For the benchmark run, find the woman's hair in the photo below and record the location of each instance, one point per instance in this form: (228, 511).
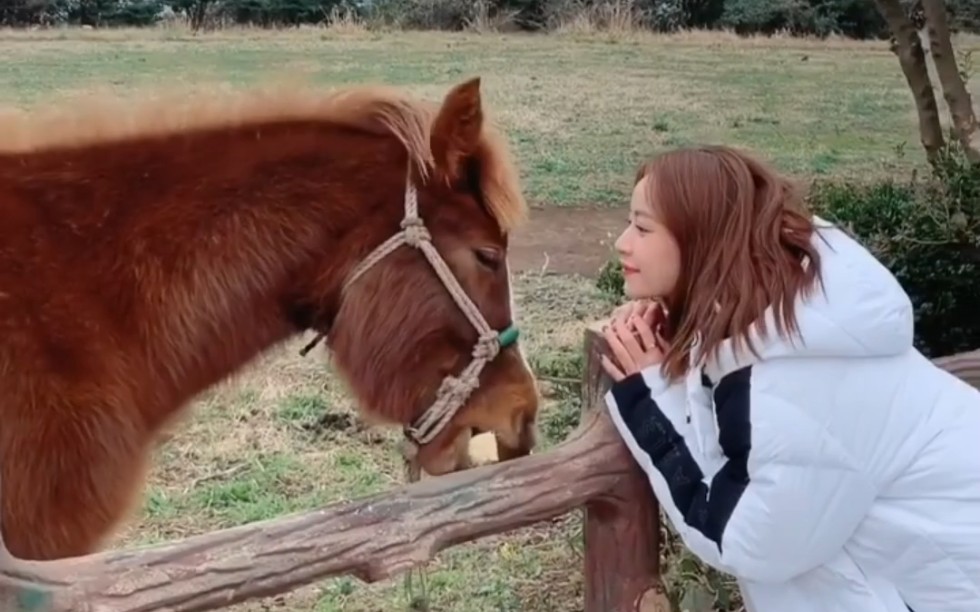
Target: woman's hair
(744, 236)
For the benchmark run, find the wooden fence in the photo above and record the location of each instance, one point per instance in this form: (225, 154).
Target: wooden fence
(376, 537)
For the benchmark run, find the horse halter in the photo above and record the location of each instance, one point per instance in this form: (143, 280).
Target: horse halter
(454, 390)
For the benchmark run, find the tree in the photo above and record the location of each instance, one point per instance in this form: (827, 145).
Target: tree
(907, 45)
(954, 89)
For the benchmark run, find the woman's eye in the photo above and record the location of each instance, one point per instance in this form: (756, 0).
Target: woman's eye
(632, 222)
(489, 257)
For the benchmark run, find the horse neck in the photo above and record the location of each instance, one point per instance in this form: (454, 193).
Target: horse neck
(237, 224)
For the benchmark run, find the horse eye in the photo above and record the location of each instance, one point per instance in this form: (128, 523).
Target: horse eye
(489, 257)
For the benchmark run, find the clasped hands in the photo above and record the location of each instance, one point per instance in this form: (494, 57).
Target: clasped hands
(634, 337)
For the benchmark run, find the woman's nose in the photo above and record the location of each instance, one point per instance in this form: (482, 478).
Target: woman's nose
(621, 242)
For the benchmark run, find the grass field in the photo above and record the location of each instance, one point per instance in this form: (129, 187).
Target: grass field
(581, 111)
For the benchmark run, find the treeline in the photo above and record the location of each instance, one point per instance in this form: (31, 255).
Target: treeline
(850, 18)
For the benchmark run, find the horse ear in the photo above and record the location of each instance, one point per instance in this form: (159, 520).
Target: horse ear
(457, 127)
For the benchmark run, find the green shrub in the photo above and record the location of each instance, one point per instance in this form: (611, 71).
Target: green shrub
(424, 14)
(857, 18)
(610, 280)
(691, 585)
(819, 17)
(926, 230)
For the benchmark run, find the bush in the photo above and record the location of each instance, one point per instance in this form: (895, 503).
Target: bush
(928, 234)
(926, 231)
(854, 18)
(424, 14)
(610, 280)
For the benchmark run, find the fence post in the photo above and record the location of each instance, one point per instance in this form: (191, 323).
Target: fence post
(622, 527)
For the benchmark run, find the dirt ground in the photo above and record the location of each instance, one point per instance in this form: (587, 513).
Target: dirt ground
(567, 240)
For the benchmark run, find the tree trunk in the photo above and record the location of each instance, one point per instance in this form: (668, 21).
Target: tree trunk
(908, 48)
(954, 89)
(198, 13)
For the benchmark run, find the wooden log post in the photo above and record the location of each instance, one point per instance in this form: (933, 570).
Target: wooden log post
(622, 526)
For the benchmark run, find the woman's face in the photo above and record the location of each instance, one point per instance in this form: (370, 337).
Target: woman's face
(649, 254)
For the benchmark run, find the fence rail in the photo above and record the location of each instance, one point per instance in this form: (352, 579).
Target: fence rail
(383, 535)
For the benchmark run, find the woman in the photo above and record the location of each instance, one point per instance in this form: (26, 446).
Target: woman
(766, 382)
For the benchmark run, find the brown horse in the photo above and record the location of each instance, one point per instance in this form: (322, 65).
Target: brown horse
(149, 250)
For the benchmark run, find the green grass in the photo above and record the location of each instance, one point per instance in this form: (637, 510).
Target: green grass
(581, 111)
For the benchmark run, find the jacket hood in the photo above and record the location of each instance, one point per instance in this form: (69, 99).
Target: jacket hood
(859, 310)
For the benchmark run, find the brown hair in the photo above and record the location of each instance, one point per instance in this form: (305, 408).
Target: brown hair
(743, 232)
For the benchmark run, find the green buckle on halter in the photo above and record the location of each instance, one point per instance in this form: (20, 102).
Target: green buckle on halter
(33, 600)
(508, 336)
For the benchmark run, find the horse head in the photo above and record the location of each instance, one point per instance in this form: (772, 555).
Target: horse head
(424, 330)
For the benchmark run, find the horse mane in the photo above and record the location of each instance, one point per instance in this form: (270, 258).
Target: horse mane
(105, 117)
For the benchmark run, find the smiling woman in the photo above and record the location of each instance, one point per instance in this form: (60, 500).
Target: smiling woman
(649, 253)
(837, 472)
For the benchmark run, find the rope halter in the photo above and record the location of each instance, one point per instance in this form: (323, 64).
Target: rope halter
(454, 390)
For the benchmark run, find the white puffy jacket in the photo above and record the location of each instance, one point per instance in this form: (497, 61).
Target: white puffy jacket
(842, 475)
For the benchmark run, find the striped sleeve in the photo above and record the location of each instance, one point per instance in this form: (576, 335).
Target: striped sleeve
(783, 502)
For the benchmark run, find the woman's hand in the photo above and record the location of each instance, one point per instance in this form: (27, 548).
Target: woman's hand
(648, 309)
(633, 335)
